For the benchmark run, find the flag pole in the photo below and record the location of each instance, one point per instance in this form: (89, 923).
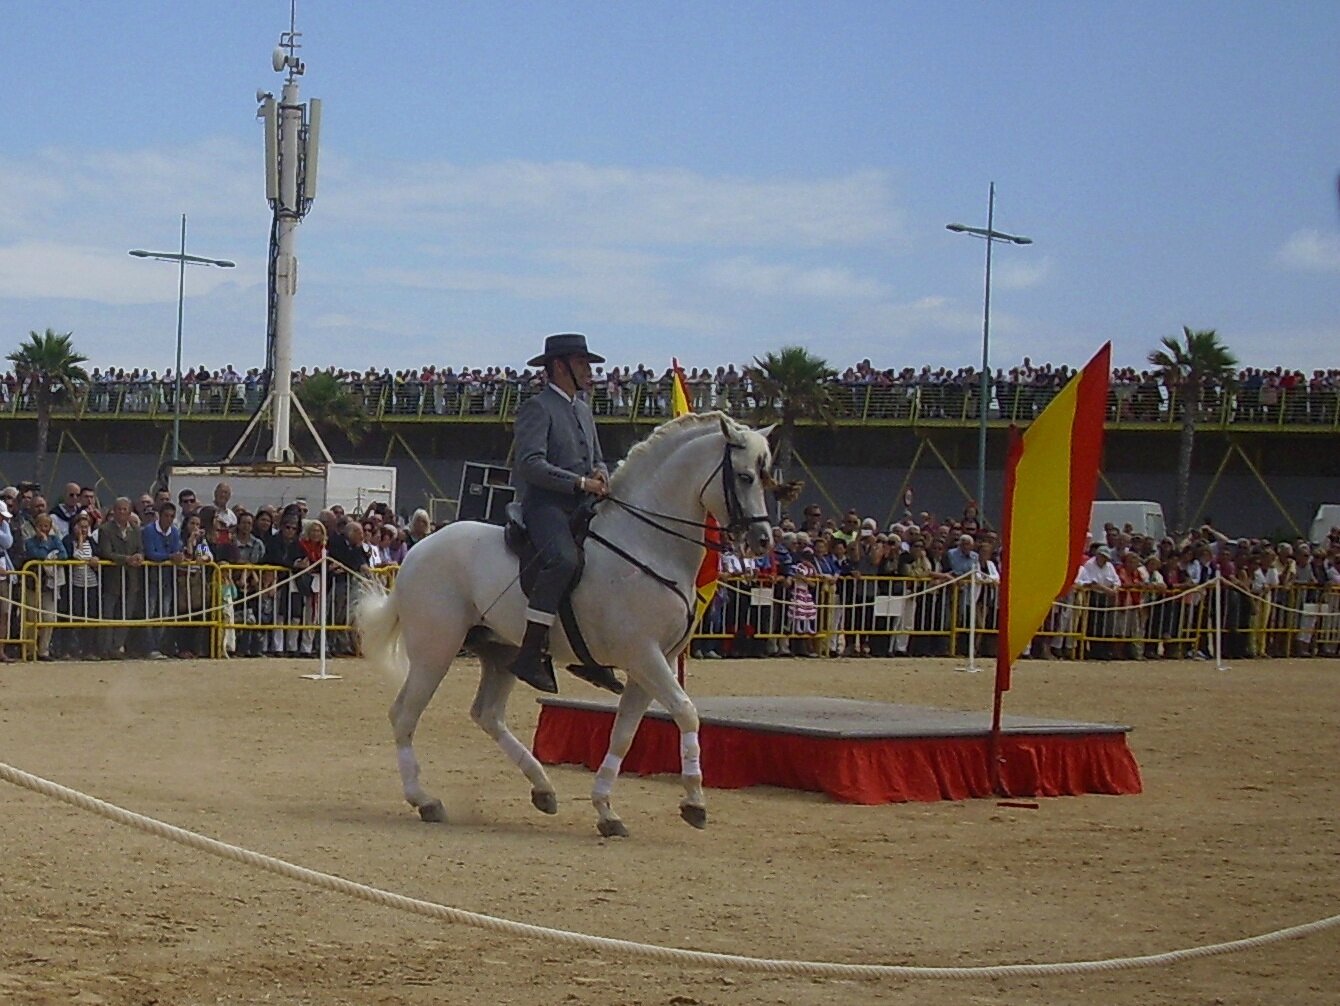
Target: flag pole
(1219, 664)
(972, 623)
(993, 746)
(1045, 526)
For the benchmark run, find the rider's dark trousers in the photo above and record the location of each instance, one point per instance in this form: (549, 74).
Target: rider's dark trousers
(549, 527)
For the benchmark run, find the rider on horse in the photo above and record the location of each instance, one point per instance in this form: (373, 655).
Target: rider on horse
(557, 464)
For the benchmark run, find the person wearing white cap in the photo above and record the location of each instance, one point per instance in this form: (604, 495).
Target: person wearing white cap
(1102, 581)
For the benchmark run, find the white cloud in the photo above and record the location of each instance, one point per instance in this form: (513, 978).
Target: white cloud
(763, 279)
(103, 275)
(614, 205)
(1020, 274)
(1310, 251)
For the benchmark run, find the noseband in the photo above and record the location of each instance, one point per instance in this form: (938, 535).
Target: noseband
(737, 520)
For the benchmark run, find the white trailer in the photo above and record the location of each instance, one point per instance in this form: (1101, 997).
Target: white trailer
(322, 485)
(1144, 517)
(1328, 518)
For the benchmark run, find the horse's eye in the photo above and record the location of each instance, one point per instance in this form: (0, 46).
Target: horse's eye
(747, 478)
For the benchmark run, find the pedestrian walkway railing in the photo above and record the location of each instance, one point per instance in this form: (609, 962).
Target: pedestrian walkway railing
(914, 403)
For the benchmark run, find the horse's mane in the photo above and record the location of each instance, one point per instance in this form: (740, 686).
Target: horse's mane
(688, 426)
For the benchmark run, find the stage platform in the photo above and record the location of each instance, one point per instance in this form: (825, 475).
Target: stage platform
(856, 752)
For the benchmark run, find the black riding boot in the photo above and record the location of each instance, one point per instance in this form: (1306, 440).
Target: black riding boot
(532, 665)
(598, 675)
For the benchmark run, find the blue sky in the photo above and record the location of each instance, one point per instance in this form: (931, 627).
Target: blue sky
(710, 181)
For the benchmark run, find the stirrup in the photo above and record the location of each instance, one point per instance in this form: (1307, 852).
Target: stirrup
(598, 675)
(536, 670)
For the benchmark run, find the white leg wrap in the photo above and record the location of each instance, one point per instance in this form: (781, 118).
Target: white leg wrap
(409, 766)
(605, 776)
(513, 748)
(689, 753)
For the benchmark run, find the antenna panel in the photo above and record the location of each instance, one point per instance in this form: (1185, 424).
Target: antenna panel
(310, 148)
(271, 118)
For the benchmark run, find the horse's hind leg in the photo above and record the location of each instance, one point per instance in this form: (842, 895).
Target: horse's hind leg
(632, 707)
(420, 684)
(489, 712)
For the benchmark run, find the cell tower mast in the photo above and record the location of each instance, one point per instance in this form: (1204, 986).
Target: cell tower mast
(292, 132)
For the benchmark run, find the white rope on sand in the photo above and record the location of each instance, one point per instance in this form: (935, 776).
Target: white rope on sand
(700, 958)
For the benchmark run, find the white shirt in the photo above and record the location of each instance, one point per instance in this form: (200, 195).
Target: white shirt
(1102, 576)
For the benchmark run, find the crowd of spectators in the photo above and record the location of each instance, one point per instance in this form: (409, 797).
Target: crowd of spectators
(1019, 392)
(1138, 592)
(151, 559)
(827, 581)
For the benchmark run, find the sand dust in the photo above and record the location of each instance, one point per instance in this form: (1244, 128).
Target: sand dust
(1236, 834)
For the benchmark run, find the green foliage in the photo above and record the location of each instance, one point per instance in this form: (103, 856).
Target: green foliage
(1196, 360)
(331, 406)
(47, 364)
(1190, 366)
(792, 384)
(49, 360)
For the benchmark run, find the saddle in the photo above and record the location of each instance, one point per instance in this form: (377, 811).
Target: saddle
(518, 542)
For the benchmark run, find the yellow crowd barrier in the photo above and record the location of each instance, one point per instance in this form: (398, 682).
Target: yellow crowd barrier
(72, 608)
(77, 608)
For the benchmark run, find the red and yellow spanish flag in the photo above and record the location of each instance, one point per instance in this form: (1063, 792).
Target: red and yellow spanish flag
(705, 583)
(1050, 477)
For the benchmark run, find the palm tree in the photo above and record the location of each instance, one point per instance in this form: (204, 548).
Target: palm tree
(1191, 367)
(331, 406)
(46, 364)
(788, 386)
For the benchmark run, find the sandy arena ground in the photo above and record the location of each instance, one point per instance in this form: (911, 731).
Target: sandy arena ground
(1236, 834)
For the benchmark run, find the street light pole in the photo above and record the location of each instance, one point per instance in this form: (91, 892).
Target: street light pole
(991, 236)
(182, 260)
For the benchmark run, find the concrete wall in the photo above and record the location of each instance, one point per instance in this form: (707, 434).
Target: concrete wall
(1238, 505)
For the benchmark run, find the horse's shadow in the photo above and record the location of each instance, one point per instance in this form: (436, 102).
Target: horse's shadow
(464, 818)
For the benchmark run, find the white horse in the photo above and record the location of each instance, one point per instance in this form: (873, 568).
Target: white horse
(635, 610)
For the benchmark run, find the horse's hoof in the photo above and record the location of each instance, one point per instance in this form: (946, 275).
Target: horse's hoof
(434, 812)
(611, 828)
(545, 801)
(694, 815)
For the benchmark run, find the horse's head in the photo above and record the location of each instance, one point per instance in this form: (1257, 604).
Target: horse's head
(740, 491)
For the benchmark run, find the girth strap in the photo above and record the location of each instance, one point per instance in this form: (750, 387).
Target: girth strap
(660, 578)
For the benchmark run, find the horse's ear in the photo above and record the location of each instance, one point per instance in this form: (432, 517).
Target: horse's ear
(732, 432)
(766, 432)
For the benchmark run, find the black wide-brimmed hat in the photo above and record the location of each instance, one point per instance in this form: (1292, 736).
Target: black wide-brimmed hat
(565, 344)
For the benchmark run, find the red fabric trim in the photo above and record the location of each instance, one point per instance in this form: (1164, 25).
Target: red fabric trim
(853, 771)
(1005, 647)
(1086, 448)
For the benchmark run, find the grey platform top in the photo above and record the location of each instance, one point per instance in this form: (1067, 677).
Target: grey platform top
(820, 716)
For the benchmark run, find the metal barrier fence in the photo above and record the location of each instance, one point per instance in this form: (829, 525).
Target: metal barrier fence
(901, 403)
(69, 608)
(893, 616)
(73, 609)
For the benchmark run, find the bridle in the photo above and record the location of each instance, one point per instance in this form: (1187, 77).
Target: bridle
(737, 520)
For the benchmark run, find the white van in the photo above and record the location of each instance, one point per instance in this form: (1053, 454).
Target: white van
(1143, 516)
(1328, 516)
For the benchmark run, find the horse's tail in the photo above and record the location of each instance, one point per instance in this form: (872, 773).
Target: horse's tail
(378, 622)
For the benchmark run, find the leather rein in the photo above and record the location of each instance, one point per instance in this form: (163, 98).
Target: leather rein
(739, 522)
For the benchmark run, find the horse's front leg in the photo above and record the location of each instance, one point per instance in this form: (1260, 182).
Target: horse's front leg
(632, 707)
(660, 681)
